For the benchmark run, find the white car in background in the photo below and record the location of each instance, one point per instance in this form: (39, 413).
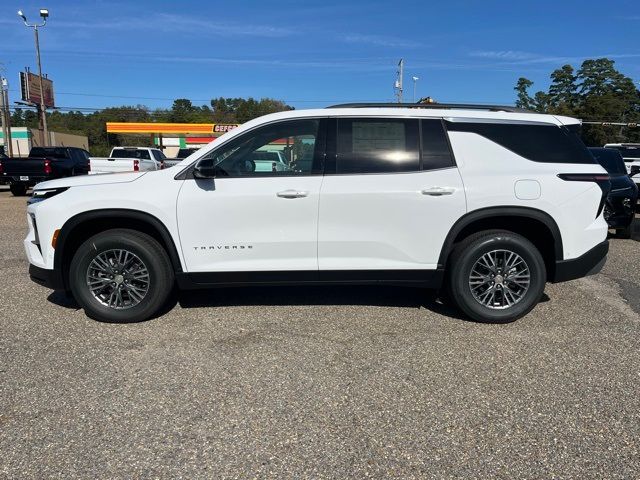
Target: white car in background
(270, 161)
(485, 202)
(129, 159)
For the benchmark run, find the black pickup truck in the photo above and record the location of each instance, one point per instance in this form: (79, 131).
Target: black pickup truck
(43, 163)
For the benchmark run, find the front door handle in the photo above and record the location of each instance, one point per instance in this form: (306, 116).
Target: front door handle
(291, 193)
(438, 191)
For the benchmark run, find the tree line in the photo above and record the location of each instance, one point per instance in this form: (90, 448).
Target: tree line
(597, 91)
(93, 125)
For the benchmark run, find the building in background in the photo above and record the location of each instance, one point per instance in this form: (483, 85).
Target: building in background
(23, 138)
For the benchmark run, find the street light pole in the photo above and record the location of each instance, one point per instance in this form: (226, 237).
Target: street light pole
(42, 110)
(415, 80)
(6, 118)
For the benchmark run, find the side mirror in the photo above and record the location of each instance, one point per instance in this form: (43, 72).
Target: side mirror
(205, 169)
(635, 169)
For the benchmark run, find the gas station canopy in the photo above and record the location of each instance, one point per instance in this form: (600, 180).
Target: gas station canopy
(214, 129)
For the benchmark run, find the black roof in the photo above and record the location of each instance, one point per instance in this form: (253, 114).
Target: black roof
(452, 106)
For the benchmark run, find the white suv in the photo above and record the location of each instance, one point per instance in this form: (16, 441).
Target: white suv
(487, 203)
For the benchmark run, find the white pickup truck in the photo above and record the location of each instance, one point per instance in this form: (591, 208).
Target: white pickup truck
(129, 159)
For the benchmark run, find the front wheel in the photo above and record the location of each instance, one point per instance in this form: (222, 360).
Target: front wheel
(496, 276)
(121, 276)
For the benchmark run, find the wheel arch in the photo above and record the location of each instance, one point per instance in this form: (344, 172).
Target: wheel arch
(522, 220)
(80, 227)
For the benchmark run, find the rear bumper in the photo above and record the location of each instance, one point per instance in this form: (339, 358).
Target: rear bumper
(47, 278)
(588, 264)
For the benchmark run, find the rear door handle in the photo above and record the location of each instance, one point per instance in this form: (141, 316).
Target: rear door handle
(438, 191)
(291, 193)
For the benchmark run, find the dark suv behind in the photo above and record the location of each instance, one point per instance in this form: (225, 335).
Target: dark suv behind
(621, 204)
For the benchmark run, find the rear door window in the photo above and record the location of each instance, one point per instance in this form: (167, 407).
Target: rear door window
(377, 145)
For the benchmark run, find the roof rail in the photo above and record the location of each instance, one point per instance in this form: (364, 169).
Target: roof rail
(457, 106)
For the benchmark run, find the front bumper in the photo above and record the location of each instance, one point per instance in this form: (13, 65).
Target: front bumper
(47, 278)
(588, 264)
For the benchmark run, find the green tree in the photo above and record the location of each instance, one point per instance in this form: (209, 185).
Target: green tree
(524, 100)
(597, 92)
(562, 91)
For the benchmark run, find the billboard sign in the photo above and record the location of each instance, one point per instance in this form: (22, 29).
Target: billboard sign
(30, 89)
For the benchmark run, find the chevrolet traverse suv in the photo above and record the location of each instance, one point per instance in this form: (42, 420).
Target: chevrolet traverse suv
(485, 203)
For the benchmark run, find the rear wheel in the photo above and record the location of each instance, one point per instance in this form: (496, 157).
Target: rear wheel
(121, 276)
(18, 189)
(496, 276)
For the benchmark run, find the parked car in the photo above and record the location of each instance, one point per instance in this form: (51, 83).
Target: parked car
(181, 155)
(486, 203)
(43, 163)
(270, 161)
(129, 159)
(620, 208)
(631, 155)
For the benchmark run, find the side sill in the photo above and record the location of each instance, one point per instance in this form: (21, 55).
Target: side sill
(416, 278)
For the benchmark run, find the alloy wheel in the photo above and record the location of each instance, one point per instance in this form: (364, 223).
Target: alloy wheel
(499, 279)
(118, 279)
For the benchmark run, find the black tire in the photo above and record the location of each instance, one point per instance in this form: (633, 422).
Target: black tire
(626, 232)
(150, 254)
(470, 251)
(18, 190)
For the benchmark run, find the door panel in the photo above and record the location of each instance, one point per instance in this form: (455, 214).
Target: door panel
(385, 221)
(241, 224)
(392, 196)
(256, 215)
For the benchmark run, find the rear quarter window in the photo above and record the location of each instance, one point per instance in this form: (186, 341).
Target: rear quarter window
(538, 143)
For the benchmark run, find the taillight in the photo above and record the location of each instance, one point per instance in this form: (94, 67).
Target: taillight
(1, 168)
(584, 177)
(136, 165)
(602, 179)
(47, 167)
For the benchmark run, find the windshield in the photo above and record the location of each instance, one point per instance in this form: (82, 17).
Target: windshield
(629, 153)
(610, 160)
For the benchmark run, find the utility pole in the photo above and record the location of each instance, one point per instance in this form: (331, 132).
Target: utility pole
(42, 109)
(5, 117)
(415, 80)
(399, 78)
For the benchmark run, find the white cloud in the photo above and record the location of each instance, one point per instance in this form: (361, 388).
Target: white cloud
(168, 23)
(516, 57)
(381, 41)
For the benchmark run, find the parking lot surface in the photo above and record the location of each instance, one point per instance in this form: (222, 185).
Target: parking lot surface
(320, 382)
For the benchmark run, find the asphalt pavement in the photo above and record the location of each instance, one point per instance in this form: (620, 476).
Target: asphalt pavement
(322, 382)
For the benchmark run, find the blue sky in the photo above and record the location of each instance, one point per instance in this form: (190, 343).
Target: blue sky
(310, 53)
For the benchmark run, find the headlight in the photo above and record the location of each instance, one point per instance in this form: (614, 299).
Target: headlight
(40, 195)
